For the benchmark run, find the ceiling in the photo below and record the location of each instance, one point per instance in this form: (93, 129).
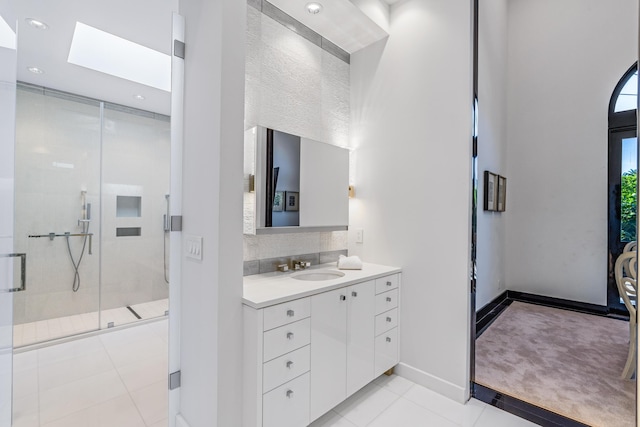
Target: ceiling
(340, 21)
(146, 22)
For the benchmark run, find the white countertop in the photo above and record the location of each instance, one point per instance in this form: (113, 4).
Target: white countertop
(263, 290)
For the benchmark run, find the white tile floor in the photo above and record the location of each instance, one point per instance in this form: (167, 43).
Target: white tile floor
(397, 402)
(45, 330)
(118, 378)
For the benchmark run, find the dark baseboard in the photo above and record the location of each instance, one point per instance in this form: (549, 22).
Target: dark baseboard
(522, 409)
(583, 307)
(490, 312)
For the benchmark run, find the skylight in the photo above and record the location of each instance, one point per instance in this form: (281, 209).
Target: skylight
(101, 51)
(7, 36)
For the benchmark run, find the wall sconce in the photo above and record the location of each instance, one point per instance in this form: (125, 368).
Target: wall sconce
(252, 183)
(352, 192)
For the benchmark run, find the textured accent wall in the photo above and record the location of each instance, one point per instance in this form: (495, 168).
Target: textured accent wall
(294, 86)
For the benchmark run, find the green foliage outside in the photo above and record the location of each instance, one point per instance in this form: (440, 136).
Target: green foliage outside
(628, 206)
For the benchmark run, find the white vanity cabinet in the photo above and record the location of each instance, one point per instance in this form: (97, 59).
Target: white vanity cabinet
(342, 354)
(304, 356)
(386, 323)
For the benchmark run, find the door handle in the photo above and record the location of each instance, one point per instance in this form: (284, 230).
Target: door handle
(23, 272)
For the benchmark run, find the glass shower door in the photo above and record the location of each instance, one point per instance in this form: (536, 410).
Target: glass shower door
(57, 205)
(10, 272)
(136, 155)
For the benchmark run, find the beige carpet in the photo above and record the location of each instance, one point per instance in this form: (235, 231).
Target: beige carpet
(563, 361)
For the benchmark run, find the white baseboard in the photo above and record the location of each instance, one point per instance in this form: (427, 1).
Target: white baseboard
(180, 422)
(445, 388)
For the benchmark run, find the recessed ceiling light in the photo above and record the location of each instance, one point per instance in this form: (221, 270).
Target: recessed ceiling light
(37, 24)
(314, 8)
(35, 70)
(139, 97)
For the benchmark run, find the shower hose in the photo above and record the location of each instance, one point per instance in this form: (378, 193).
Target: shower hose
(76, 265)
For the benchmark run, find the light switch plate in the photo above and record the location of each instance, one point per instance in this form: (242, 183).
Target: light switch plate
(193, 247)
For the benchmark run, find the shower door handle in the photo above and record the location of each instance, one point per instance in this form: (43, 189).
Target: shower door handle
(23, 272)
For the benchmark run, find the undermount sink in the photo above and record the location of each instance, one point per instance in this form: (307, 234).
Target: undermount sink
(318, 275)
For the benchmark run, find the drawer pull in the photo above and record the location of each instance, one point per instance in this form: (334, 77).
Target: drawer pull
(290, 313)
(388, 339)
(289, 394)
(388, 299)
(354, 294)
(289, 335)
(343, 298)
(388, 283)
(289, 364)
(388, 319)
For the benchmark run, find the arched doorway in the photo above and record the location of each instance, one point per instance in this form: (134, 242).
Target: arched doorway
(623, 172)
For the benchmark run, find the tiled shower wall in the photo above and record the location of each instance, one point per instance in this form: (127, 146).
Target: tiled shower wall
(63, 148)
(294, 86)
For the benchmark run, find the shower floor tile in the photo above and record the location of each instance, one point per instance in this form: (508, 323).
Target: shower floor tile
(46, 330)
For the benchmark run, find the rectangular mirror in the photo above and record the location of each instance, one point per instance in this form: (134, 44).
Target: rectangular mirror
(293, 183)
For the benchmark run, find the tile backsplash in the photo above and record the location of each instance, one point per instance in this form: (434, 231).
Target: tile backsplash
(261, 250)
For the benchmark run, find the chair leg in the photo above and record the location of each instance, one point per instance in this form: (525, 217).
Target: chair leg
(630, 366)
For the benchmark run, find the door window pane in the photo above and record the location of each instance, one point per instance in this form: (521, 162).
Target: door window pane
(628, 193)
(628, 98)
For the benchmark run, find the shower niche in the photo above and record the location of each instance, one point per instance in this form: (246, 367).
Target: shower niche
(128, 206)
(88, 167)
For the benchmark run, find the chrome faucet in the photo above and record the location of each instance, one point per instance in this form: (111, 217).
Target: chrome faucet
(298, 265)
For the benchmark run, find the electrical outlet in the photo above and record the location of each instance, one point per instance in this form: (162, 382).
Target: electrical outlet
(359, 235)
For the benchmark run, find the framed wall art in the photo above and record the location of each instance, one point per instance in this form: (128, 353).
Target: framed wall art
(490, 191)
(291, 201)
(278, 201)
(502, 194)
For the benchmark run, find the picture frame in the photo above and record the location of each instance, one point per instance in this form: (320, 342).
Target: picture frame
(490, 191)
(291, 201)
(502, 193)
(278, 201)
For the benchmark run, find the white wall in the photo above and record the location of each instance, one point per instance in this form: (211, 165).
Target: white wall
(492, 140)
(294, 86)
(564, 60)
(211, 298)
(411, 132)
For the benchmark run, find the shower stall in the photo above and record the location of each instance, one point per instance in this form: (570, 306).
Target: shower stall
(92, 184)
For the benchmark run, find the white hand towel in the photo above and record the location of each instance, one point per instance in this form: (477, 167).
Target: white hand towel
(349, 263)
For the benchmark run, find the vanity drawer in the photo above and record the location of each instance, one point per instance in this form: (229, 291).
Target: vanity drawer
(287, 312)
(386, 301)
(286, 338)
(287, 405)
(387, 283)
(386, 353)
(386, 321)
(285, 368)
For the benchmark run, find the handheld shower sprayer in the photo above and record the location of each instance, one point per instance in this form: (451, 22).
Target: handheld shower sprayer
(85, 214)
(84, 222)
